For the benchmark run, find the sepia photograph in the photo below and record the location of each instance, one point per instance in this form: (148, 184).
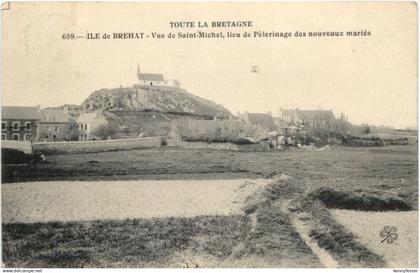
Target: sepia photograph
(209, 135)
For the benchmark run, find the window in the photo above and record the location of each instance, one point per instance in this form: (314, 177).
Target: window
(3, 125)
(15, 125)
(28, 137)
(81, 126)
(47, 129)
(28, 126)
(15, 136)
(55, 128)
(86, 126)
(3, 136)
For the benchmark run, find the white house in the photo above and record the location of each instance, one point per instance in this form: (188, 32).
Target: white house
(89, 123)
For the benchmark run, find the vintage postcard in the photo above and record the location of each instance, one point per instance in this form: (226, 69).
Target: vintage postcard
(209, 135)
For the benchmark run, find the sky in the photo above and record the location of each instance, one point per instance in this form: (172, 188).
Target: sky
(372, 79)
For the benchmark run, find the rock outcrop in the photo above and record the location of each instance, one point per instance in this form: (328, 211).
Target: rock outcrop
(156, 98)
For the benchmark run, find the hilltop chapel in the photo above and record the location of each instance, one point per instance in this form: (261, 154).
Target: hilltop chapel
(150, 78)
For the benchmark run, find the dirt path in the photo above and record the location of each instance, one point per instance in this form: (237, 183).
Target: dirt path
(325, 258)
(74, 201)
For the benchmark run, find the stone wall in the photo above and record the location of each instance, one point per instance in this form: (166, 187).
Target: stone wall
(218, 146)
(96, 146)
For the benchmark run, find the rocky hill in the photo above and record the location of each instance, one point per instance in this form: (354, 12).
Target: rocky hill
(158, 98)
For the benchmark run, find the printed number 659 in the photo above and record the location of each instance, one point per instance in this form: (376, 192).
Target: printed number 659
(67, 36)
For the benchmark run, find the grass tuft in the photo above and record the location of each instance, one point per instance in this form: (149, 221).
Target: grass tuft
(334, 199)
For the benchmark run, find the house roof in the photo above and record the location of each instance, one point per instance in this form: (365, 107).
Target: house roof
(262, 119)
(150, 77)
(289, 111)
(54, 115)
(91, 117)
(20, 112)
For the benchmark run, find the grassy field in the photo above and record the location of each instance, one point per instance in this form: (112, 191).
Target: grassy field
(385, 169)
(216, 241)
(203, 241)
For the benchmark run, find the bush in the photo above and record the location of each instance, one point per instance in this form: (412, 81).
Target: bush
(12, 156)
(351, 140)
(106, 131)
(366, 202)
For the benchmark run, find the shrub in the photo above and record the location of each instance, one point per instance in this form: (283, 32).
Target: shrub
(106, 131)
(351, 140)
(12, 156)
(366, 202)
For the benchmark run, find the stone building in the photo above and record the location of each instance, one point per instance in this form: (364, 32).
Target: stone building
(289, 116)
(308, 118)
(263, 120)
(19, 122)
(150, 79)
(89, 122)
(54, 125)
(317, 118)
(257, 125)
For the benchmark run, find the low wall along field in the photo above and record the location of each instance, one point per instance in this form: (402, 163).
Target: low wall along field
(218, 146)
(96, 146)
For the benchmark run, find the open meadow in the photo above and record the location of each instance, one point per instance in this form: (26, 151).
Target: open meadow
(287, 219)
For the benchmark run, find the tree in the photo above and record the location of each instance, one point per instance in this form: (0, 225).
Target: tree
(343, 125)
(73, 130)
(106, 131)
